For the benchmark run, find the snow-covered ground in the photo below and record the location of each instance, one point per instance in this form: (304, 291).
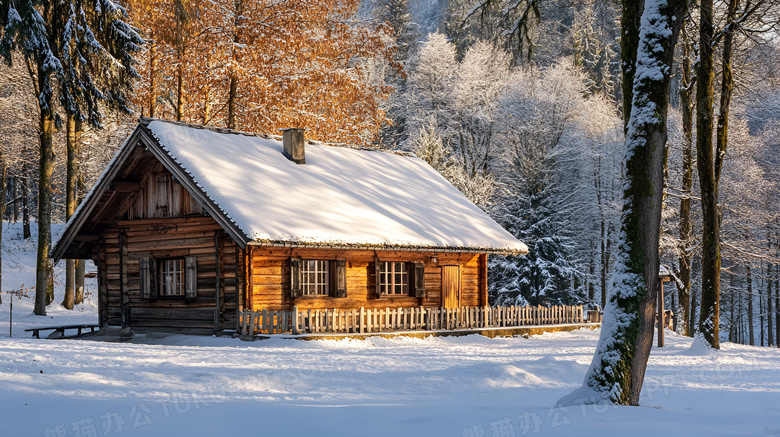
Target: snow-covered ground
(453, 386)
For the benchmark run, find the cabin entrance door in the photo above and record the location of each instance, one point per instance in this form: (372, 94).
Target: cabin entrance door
(450, 286)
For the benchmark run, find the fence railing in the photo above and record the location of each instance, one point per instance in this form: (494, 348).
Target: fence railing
(402, 319)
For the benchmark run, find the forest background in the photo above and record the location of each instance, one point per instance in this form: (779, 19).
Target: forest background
(518, 103)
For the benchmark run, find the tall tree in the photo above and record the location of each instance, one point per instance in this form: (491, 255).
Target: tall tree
(686, 224)
(87, 47)
(617, 371)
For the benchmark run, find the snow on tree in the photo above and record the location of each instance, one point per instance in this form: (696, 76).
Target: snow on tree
(535, 203)
(617, 371)
(87, 48)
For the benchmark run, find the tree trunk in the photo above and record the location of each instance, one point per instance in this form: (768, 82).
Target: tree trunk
(238, 8)
(179, 93)
(26, 233)
(80, 264)
(709, 318)
(3, 174)
(46, 167)
(733, 322)
(777, 311)
(15, 180)
(70, 205)
(630, 21)
(152, 76)
(686, 226)
(750, 307)
(619, 364)
(770, 340)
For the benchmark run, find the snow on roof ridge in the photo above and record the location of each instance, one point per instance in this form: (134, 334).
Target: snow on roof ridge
(223, 130)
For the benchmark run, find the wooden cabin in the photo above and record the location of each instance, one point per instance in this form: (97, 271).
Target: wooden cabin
(190, 225)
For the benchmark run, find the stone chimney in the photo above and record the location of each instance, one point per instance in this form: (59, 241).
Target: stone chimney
(294, 147)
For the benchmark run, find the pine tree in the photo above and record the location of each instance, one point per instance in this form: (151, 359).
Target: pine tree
(88, 48)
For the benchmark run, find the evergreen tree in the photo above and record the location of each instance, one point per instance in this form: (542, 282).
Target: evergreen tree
(87, 47)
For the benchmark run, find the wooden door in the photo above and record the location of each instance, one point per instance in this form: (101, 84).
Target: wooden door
(450, 286)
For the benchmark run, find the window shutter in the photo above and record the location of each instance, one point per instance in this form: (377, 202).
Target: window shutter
(295, 277)
(377, 275)
(191, 277)
(144, 278)
(341, 278)
(153, 279)
(419, 280)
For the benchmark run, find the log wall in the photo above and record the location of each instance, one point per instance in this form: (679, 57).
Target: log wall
(219, 265)
(268, 270)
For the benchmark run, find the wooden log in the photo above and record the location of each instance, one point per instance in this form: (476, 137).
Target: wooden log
(295, 320)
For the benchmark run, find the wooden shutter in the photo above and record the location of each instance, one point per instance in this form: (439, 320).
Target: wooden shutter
(419, 280)
(377, 275)
(295, 278)
(153, 279)
(144, 277)
(341, 278)
(191, 277)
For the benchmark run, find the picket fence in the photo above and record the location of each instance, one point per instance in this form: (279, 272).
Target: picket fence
(364, 320)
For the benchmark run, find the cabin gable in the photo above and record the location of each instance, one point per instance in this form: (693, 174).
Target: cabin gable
(160, 195)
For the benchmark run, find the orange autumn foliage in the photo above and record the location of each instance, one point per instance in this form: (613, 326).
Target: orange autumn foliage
(263, 65)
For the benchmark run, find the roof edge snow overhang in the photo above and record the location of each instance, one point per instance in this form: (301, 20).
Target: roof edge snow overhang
(388, 247)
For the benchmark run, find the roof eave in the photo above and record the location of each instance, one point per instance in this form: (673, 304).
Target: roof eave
(388, 247)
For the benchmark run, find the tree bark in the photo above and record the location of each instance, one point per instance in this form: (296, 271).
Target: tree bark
(238, 10)
(3, 174)
(709, 318)
(686, 225)
(770, 340)
(80, 264)
(15, 181)
(152, 76)
(750, 306)
(46, 168)
(619, 364)
(777, 310)
(630, 21)
(26, 233)
(70, 205)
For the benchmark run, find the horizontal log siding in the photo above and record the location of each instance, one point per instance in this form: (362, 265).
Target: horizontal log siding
(168, 238)
(269, 271)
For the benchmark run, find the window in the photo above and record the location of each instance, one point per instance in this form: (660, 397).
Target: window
(172, 277)
(315, 277)
(318, 278)
(393, 278)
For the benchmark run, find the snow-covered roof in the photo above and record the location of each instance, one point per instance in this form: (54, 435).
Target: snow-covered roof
(341, 197)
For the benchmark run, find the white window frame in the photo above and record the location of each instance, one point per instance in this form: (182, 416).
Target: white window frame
(315, 277)
(394, 278)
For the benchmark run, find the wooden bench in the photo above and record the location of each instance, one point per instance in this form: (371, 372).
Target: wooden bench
(61, 329)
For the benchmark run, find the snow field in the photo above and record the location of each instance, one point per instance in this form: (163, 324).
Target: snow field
(448, 386)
